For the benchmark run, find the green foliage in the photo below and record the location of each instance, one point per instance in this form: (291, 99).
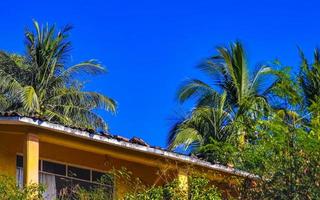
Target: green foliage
(204, 122)
(287, 91)
(309, 77)
(282, 139)
(154, 193)
(285, 155)
(216, 151)
(290, 163)
(99, 192)
(229, 107)
(199, 189)
(40, 83)
(10, 191)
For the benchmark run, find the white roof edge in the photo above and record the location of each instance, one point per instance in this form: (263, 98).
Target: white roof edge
(132, 146)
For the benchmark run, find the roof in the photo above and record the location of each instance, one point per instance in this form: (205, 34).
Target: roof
(134, 144)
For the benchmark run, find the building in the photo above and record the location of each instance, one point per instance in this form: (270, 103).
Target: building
(36, 151)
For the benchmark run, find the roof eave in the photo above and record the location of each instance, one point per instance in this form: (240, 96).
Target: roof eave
(128, 145)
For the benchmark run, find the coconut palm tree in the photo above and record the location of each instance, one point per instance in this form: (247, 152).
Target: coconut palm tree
(244, 92)
(203, 124)
(309, 77)
(41, 83)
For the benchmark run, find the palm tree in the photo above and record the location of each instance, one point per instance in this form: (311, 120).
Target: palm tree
(203, 124)
(309, 77)
(244, 94)
(40, 82)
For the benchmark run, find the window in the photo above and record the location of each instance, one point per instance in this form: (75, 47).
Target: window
(103, 178)
(53, 168)
(19, 161)
(60, 178)
(19, 171)
(79, 173)
(96, 176)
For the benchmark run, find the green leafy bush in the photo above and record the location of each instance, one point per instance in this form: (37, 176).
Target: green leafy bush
(10, 191)
(199, 189)
(99, 192)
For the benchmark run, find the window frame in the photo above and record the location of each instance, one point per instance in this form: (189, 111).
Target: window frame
(41, 159)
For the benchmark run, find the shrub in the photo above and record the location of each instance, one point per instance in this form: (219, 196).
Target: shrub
(9, 190)
(199, 189)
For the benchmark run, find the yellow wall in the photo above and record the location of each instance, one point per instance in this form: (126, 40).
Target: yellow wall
(148, 175)
(68, 149)
(10, 144)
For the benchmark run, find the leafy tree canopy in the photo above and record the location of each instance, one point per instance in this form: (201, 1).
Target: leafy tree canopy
(40, 83)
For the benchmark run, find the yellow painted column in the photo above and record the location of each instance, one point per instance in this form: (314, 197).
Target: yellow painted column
(31, 159)
(183, 183)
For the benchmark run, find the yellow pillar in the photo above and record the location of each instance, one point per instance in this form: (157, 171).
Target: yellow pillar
(31, 159)
(183, 184)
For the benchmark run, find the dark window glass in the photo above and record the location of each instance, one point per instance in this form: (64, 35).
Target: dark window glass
(79, 173)
(96, 176)
(102, 178)
(54, 168)
(19, 162)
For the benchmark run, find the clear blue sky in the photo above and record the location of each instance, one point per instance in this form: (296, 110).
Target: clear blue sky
(149, 47)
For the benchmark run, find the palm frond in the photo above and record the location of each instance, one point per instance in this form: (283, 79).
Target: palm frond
(194, 88)
(29, 99)
(88, 100)
(203, 123)
(41, 82)
(185, 138)
(259, 76)
(90, 67)
(234, 100)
